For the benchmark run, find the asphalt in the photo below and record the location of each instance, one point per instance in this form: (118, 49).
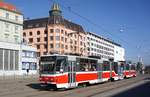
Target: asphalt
(139, 91)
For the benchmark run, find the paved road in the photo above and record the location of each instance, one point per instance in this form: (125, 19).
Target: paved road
(30, 87)
(138, 91)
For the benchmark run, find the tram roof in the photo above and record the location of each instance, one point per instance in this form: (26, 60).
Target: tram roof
(86, 57)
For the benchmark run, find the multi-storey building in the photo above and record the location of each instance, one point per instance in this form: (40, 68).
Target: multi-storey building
(119, 53)
(11, 21)
(11, 24)
(55, 34)
(11, 28)
(104, 48)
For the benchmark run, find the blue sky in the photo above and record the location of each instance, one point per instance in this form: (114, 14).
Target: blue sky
(124, 21)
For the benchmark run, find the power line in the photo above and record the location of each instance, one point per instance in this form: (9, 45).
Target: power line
(95, 24)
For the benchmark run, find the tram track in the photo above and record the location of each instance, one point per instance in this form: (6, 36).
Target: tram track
(24, 90)
(103, 88)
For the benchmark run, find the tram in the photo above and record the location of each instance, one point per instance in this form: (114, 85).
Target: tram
(67, 71)
(124, 69)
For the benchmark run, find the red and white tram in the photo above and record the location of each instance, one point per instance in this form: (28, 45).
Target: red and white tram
(66, 71)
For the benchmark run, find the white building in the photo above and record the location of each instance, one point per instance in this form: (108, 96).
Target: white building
(29, 59)
(119, 53)
(11, 28)
(11, 24)
(104, 48)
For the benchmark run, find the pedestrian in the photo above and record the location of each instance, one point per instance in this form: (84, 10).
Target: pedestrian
(27, 71)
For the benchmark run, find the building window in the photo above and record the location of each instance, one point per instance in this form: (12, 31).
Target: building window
(16, 38)
(65, 39)
(57, 45)
(51, 37)
(66, 33)
(37, 25)
(81, 43)
(38, 46)
(30, 40)
(51, 30)
(57, 38)
(7, 27)
(30, 33)
(38, 32)
(16, 18)
(62, 31)
(45, 46)
(6, 35)
(38, 54)
(57, 30)
(45, 38)
(38, 39)
(51, 46)
(66, 47)
(62, 38)
(16, 29)
(30, 26)
(45, 32)
(45, 53)
(24, 34)
(75, 42)
(7, 15)
(62, 46)
(75, 36)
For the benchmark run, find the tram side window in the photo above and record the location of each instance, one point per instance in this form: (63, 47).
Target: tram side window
(127, 67)
(60, 65)
(78, 67)
(115, 65)
(132, 67)
(99, 66)
(84, 67)
(106, 66)
(122, 66)
(93, 67)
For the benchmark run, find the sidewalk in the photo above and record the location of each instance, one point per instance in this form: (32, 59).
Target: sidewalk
(19, 77)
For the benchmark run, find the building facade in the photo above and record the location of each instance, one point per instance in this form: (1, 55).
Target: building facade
(11, 24)
(55, 34)
(119, 53)
(29, 60)
(11, 48)
(104, 48)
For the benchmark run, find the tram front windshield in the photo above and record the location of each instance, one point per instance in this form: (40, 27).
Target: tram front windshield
(51, 64)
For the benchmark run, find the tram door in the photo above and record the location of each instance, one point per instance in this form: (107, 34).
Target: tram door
(121, 69)
(72, 74)
(100, 69)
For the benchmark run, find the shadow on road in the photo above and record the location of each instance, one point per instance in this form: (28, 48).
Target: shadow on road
(139, 91)
(39, 87)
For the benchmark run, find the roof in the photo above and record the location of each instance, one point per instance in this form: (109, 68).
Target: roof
(9, 7)
(35, 23)
(42, 22)
(105, 39)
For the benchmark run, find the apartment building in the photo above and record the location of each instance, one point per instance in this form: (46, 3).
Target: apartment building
(55, 34)
(11, 48)
(104, 48)
(11, 24)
